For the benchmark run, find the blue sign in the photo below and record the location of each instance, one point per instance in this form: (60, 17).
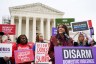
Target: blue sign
(80, 26)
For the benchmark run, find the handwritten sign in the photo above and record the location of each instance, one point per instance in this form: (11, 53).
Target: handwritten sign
(22, 56)
(41, 53)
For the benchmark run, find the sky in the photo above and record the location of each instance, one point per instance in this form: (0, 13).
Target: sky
(79, 9)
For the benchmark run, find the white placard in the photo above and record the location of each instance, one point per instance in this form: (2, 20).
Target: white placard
(5, 50)
(41, 53)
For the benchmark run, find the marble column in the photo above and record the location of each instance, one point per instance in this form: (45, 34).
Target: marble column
(34, 30)
(48, 29)
(27, 27)
(12, 23)
(20, 26)
(42, 26)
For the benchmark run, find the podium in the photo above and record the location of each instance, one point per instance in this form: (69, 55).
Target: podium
(75, 55)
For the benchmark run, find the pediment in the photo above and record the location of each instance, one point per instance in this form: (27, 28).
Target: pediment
(35, 8)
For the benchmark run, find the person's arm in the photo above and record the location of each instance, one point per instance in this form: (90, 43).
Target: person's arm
(87, 42)
(92, 43)
(51, 51)
(14, 47)
(33, 48)
(88, 38)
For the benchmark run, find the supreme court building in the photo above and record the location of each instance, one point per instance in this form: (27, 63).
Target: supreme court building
(32, 19)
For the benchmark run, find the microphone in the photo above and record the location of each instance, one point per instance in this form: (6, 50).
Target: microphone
(66, 36)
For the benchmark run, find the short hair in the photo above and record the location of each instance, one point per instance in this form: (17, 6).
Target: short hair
(1, 33)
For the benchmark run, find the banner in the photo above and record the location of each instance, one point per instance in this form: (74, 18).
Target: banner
(41, 53)
(75, 55)
(5, 50)
(22, 56)
(54, 31)
(65, 21)
(79, 26)
(7, 29)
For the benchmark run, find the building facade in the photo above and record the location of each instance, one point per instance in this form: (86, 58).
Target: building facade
(32, 19)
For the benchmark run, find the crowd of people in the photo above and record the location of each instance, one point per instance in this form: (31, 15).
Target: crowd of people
(62, 38)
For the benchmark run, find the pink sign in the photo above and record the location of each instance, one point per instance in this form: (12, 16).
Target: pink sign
(22, 56)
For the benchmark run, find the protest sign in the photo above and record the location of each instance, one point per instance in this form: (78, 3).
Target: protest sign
(90, 23)
(79, 26)
(22, 56)
(41, 53)
(8, 29)
(75, 55)
(5, 50)
(65, 21)
(54, 31)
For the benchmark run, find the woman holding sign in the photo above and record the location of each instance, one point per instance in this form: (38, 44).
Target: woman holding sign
(22, 50)
(39, 39)
(61, 39)
(3, 60)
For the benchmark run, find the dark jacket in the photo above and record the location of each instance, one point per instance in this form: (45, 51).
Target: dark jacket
(81, 44)
(2, 61)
